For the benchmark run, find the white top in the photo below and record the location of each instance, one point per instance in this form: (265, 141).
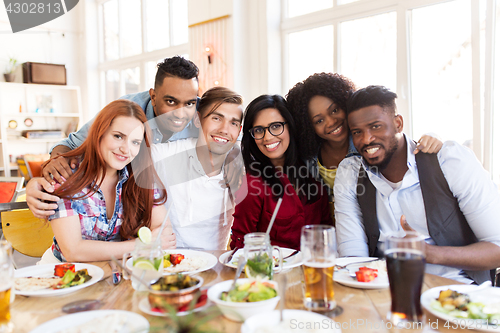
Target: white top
(477, 196)
(202, 211)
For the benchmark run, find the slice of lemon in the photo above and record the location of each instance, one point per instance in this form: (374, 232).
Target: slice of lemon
(144, 234)
(145, 265)
(250, 273)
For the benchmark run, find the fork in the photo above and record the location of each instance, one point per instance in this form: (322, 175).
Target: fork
(355, 262)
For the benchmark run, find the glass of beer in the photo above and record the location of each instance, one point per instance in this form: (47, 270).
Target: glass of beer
(6, 286)
(405, 258)
(317, 244)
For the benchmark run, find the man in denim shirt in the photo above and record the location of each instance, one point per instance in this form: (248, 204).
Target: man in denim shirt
(174, 95)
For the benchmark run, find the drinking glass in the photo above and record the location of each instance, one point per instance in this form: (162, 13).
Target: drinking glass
(317, 244)
(259, 255)
(147, 262)
(405, 258)
(6, 286)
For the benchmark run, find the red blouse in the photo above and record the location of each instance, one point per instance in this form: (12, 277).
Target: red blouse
(254, 211)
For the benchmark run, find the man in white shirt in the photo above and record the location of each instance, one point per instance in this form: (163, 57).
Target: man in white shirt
(192, 170)
(448, 197)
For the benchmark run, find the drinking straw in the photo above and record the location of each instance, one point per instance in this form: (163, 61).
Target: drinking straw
(274, 216)
(164, 221)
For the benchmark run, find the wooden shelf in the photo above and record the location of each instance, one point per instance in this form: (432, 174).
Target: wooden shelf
(16, 96)
(42, 115)
(22, 139)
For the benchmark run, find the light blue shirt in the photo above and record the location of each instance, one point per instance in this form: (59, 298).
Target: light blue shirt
(477, 196)
(75, 139)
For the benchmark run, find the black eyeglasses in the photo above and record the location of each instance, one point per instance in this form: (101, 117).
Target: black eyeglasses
(276, 128)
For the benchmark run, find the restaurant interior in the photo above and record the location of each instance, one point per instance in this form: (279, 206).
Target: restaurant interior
(441, 57)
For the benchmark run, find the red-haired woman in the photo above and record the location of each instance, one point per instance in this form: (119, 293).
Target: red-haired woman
(106, 200)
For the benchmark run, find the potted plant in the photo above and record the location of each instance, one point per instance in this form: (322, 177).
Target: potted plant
(9, 70)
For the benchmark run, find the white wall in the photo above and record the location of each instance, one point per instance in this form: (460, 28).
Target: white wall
(59, 41)
(255, 46)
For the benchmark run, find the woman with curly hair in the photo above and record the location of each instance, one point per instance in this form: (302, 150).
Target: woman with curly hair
(318, 107)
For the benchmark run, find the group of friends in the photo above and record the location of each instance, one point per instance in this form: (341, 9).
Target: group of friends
(334, 154)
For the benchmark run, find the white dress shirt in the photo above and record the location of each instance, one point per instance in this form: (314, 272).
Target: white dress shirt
(477, 196)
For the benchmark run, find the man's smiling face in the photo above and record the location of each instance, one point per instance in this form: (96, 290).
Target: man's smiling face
(221, 127)
(174, 102)
(375, 132)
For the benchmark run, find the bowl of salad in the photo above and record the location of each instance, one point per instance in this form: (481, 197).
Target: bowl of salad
(250, 297)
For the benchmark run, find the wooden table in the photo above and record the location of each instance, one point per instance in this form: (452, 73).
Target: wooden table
(363, 310)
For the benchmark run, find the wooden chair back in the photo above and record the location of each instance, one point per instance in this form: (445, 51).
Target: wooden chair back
(28, 234)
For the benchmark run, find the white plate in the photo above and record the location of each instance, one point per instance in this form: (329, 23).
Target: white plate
(135, 322)
(48, 271)
(342, 276)
(486, 296)
(146, 308)
(210, 260)
(292, 262)
(300, 321)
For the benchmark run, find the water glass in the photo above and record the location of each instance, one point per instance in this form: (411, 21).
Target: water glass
(147, 262)
(259, 255)
(6, 286)
(405, 258)
(317, 244)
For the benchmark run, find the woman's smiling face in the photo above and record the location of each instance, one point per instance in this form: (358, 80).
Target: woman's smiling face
(328, 120)
(274, 147)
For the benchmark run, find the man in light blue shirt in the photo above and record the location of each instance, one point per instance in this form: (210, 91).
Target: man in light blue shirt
(174, 97)
(389, 165)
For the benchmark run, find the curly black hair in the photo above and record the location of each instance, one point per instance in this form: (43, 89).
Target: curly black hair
(332, 85)
(175, 67)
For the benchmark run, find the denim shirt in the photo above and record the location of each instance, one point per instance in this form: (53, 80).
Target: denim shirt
(94, 223)
(76, 139)
(312, 164)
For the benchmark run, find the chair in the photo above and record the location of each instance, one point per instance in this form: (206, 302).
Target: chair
(30, 165)
(28, 234)
(9, 186)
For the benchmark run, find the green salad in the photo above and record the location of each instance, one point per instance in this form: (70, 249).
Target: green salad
(458, 305)
(254, 291)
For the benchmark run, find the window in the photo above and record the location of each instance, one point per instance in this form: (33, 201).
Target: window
(309, 51)
(368, 50)
(301, 7)
(441, 71)
(136, 35)
(496, 102)
(432, 53)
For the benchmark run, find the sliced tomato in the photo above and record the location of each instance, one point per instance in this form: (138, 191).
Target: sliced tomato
(365, 276)
(60, 270)
(367, 269)
(176, 259)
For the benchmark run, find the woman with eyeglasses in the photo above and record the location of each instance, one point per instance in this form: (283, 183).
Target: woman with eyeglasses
(275, 171)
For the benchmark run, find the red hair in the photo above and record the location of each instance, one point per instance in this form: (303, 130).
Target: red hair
(137, 200)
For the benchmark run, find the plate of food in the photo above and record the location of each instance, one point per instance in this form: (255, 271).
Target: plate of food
(465, 306)
(55, 279)
(184, 261)
(290, 262)
(96, 321)
(363, 273)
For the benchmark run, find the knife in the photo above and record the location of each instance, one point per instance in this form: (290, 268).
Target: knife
(291, 255)
(115, 273)
(228, 259)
